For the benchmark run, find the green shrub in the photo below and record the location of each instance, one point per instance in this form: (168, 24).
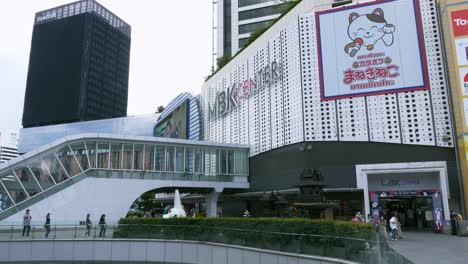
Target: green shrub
(319, 237)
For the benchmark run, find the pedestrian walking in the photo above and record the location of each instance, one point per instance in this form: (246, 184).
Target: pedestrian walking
(358, 218)
(88, 224)
(369, 219)
(47, 225)
(394, 226)
(27, 222)
(453, 222)
(103, 225)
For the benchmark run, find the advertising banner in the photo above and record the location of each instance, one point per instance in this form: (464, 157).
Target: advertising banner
(438, 212)
(175, 125)
(463, 74)
(462, 51)
(371, 48)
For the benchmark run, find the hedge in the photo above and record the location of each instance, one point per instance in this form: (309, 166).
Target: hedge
(317, 237)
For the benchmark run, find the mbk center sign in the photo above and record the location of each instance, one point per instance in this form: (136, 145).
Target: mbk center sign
(228, 100)
(371, 48)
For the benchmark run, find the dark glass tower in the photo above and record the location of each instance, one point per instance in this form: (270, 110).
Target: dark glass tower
(78, 65)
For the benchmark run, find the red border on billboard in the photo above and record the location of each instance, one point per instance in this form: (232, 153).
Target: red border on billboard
(422, 53)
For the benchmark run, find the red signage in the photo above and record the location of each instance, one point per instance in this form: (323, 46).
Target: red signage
(460, 22)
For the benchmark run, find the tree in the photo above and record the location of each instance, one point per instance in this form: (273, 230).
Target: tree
(160, 109)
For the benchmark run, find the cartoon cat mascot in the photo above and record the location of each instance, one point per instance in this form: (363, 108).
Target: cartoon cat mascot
(366, 30)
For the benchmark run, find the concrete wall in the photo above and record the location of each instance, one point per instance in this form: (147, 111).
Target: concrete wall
(154, 251)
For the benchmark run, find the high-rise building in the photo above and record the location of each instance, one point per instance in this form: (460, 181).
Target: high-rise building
(237, 19)
(78, 65)
(8, 145)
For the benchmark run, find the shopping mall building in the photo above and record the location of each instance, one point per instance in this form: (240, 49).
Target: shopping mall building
(354, 99)
(345, 109)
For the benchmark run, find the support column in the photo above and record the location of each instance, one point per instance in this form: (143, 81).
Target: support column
(211, 201)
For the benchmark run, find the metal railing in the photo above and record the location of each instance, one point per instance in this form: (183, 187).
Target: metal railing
(36, 232)
(374, 250)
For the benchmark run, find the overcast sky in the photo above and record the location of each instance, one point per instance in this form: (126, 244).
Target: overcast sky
(170, 50)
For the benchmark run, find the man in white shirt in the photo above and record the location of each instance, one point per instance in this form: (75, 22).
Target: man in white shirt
(394, 226)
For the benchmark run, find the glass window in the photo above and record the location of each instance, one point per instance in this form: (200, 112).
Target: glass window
(180, 166)
(149, 157)
(169, 158)
(189, 159)
(27, 180)
(245, 162)
(222, 158)
(103, 155)
(91, 146)
(251, 27)
(128, 157)
(5, 201)
(159, 158)
(198, 160)
(261, 12)
(41, 172)
(68, 161)
(210, 161)
(238, 162)
(138, 156)
(13, 186)
(252, 2)
(56, 171)
(243, 42)
(116, 155)
(81, 154)
(230, 161)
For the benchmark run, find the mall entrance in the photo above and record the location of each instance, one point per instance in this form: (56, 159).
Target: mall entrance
(415, 213)
(416, 192)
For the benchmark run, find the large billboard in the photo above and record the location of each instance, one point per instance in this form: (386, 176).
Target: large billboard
(175, 124)
(371, 48)
(455, 22)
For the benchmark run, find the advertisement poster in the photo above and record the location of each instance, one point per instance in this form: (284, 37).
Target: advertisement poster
(463, 74)
(462, 51)
(175, 125)
(465, 109)
(438, 212)
(465, 137)
(371, 48)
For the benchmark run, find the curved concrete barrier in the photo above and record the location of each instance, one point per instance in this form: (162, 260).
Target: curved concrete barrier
(147, 251)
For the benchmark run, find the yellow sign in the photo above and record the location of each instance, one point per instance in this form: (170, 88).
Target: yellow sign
(454, 19)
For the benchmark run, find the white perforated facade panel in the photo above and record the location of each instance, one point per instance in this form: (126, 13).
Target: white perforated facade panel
(291, 70)
(276, 97)
(291, 111)
(437, 77)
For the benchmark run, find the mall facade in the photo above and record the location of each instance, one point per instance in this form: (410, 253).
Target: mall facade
(357, 95)
(344, 110)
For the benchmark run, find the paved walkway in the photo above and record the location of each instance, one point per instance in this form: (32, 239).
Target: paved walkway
(427, 248)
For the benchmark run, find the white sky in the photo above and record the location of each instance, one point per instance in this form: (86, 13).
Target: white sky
(170, 51)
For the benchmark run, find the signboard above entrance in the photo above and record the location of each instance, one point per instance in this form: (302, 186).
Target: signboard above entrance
(371, 48)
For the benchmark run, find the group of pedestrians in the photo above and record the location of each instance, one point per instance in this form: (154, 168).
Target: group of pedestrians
(88, 223)
(381, 226)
